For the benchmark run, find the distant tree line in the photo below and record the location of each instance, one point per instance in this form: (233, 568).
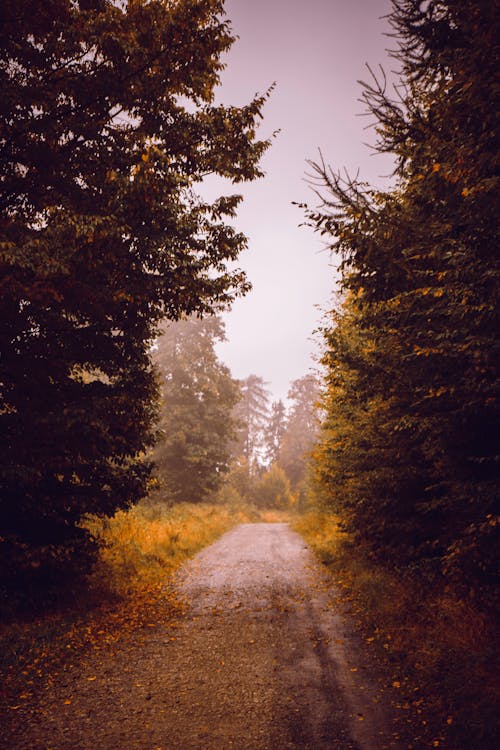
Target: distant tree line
(217, 433)
(274, 442)
(409, 447)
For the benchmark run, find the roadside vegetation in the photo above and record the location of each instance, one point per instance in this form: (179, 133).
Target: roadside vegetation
(438, 651)
(128, 591)
(406, 459)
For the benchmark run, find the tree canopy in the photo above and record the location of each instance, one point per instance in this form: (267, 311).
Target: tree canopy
(107, 125)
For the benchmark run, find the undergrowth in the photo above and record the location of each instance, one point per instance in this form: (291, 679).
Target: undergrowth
(141, 547)
(128, 591)
(439, 651)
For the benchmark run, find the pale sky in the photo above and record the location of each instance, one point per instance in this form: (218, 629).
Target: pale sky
(316, 51)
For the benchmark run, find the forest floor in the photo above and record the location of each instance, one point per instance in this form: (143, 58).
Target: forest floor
(251, 649)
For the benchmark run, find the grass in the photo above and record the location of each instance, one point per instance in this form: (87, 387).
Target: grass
(438, 650)
(143, 546)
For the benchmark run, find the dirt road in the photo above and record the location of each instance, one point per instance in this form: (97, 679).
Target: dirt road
(261, 661)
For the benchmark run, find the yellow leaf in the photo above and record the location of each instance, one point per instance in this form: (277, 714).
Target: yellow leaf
(396, 684)
(67, 703)
(436, 167)
(91, 679)
(465, 192)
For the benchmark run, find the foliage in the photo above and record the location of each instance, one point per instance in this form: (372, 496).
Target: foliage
(143, 546)
(272, 490)
(437, 651)
(238, 482)
(107, 124)
(409, 448)
(274, 432)
(198, 396)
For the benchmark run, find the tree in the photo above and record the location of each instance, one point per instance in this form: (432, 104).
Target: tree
(251, 412)
(274, 432)
(198, 396)
(411, 435)
(107, 125)
(302, 428)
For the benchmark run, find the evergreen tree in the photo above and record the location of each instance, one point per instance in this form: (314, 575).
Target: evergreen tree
(251, 412)
(302, 428)
(410, 441)
(274, 432)
(107, 124)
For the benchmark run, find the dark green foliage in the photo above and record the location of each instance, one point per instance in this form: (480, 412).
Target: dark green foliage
(410, 442)
(107, 124)
(197, 399)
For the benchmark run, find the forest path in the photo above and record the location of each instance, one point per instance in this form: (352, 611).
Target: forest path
(261, 660)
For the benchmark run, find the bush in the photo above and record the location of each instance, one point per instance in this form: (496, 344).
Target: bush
(273, 490)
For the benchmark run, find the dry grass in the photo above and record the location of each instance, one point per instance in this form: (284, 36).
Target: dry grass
(438, 650)
(144, 545)
(125, 594)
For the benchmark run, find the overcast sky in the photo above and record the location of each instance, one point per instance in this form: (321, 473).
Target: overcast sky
(316, 51)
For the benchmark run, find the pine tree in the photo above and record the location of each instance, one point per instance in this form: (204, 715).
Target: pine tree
(274, 432)
(411, 435)
(251, 412)
(302, 428)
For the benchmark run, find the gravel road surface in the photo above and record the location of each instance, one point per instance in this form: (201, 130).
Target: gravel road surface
(262, 660)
